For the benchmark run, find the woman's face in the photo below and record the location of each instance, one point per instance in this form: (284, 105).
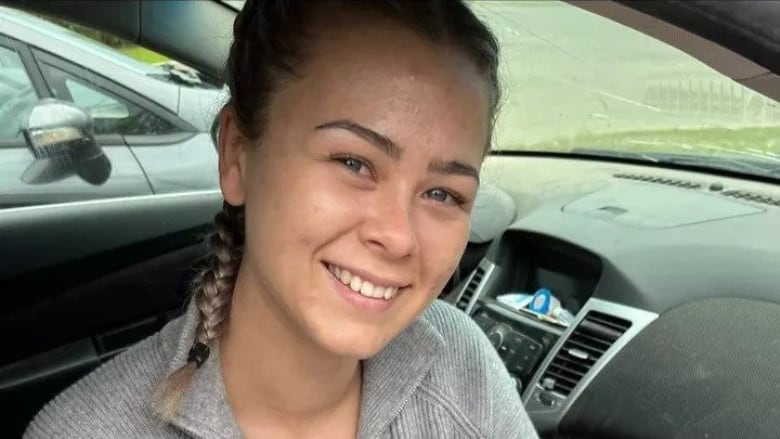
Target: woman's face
(363, 181)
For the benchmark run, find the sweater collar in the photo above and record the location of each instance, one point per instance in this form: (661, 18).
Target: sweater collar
(390, 378)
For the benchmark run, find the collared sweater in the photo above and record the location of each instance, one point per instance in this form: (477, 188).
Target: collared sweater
(439, 378)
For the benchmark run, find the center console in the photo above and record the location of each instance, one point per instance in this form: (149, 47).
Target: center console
(551, 359)
(522, 263)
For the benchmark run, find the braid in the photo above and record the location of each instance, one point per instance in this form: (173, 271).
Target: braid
(226, 246)
(213, 291)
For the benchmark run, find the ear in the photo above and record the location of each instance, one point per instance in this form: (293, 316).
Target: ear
(232, 157)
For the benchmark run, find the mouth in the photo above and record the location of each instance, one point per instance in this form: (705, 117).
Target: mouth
(372, 289)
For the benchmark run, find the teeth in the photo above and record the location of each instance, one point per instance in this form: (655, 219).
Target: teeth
(355, 284)
(364, 288)
(367, 289)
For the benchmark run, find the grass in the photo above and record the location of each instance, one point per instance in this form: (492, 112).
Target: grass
(704, 141)
(143, 54)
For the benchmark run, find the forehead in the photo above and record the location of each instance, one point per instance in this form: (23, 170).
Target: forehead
(368, 68)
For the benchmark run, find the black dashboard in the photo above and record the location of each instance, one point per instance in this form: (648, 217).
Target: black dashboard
(629, 259)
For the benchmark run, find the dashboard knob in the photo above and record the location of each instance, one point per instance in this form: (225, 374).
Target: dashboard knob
(498, 334)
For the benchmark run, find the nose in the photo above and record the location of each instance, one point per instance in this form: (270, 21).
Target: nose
(389, 227)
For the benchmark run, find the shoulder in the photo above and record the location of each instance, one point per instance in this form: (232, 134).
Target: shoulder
(463, 338)
(466, 347)
(110, 402)
(471, 377)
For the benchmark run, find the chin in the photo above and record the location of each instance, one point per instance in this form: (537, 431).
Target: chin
(355, 342)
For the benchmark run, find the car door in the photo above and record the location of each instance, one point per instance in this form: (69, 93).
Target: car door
(21, 184)
(82, 281)
(174, 155)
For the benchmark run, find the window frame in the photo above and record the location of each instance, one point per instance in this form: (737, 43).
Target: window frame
(112, 88)
(33, 74)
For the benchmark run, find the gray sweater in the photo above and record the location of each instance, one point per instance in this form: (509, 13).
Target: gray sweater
(440, 378)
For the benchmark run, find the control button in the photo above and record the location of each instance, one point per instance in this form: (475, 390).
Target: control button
(547, 399)
(548, 383)
(517, 340)
(498, 335)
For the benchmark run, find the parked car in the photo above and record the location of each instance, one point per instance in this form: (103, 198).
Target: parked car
(634, 178)
(151, 121)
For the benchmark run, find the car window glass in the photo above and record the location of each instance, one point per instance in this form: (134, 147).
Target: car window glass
(17, 94)
(151, 115)
(110, 113)
(98, 105)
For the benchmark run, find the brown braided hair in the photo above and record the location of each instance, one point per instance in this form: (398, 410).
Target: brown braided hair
(269, 38)
(213, 291)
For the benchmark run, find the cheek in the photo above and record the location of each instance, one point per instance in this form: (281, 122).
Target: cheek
(441, 248)
(296, 202)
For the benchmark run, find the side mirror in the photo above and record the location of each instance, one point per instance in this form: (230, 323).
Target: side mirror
(61, 138)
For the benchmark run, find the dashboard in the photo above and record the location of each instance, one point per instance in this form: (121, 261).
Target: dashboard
(631, 258)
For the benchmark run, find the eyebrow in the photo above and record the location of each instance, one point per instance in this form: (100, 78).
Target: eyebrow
(454, 168)
(382, 142)
(390, 148)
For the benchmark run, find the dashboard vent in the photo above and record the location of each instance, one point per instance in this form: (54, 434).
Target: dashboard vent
(660, 180)
(471, 288)
(754, 197)
(587, 343)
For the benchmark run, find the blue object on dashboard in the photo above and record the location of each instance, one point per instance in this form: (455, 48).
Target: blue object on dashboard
(541, 302)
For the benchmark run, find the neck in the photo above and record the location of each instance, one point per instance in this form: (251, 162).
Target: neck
(270, 369)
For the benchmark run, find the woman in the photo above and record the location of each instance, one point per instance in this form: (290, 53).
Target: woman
(349, 159)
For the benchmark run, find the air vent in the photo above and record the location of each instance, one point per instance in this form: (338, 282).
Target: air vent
(660, 180)
(471, 288)
(754, 197)
(587, 343)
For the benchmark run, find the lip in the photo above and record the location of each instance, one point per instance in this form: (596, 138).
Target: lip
(356, 299)
(375, 280)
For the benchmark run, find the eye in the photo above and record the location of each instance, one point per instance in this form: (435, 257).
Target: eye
(354, 164)
(444, 196)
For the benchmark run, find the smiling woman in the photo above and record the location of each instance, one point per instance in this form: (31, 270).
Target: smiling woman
(348, 160)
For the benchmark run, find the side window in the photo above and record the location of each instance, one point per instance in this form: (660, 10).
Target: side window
(110, 113)
(151, 116)
(17, 94)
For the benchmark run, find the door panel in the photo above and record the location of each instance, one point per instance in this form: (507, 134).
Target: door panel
(126, 179)
(83, 281)
(182, 164)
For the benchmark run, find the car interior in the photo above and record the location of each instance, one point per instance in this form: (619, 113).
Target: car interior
(668, 268)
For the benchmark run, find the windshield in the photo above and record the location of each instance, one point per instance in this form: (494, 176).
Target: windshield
(577, 82)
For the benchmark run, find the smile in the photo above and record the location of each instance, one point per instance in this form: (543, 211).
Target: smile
(362, 286)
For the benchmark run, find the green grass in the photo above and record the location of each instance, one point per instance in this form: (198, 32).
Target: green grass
(143, 55)
(705, 141)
